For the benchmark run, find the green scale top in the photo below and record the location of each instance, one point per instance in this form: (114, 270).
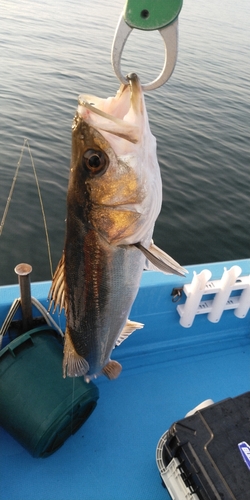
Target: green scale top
(151, 14)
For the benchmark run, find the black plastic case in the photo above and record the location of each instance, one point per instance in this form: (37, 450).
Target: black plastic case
(206, 445)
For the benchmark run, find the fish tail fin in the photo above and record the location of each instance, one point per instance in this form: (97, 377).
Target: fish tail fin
(112, 369)
(74, 365)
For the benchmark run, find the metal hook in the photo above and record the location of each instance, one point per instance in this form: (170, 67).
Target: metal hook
(170, 37)
(176, 294)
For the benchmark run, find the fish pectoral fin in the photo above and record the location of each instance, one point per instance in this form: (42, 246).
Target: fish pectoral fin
(74, 365)
(56, 293)
(129, 328)
(112, 370)
(160, 261)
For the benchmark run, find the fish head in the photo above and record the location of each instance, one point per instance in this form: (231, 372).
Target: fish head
(115, 178)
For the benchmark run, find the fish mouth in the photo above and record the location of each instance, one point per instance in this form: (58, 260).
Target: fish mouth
(121, 115)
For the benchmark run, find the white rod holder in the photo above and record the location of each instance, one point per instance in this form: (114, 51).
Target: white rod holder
(227, 281)
(244, 302)
(194, 296)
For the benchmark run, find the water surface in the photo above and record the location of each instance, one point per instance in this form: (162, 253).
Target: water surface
(51, 52)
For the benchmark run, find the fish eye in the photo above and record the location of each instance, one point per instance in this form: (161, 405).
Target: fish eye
(96, 161)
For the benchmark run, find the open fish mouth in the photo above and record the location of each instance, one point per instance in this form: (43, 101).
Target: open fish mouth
(121, 115)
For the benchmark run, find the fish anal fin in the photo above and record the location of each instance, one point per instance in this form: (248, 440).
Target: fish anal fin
(112, 370)
(74, 365)
(129, 328)
(56, 293)
(161, 261)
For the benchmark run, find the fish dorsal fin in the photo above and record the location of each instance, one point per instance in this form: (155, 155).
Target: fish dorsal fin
(56, 293)
(160, 261)
(129, 328)
(112, 369)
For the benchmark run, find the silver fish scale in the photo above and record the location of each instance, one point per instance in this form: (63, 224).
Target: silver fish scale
(125, 270)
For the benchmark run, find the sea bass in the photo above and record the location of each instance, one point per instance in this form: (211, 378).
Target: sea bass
(114, 198)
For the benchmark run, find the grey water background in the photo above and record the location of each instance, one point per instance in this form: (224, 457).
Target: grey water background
(51, 51)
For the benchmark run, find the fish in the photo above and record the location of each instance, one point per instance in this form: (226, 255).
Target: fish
(114, 198)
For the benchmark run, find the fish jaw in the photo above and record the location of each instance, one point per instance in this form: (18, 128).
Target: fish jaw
(133, 177)
(119, 118)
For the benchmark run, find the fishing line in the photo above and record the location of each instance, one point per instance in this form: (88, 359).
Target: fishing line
(26, 143)
(72, 404)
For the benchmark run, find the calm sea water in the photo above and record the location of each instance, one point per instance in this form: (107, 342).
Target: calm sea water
(52, 51)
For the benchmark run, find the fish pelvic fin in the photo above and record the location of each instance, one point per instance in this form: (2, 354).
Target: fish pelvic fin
(129, 328)
(74, 365)
(160, 261)
(112, 370)
(57, 293)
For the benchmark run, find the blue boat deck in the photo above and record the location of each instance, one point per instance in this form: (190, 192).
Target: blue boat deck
(167, 371)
